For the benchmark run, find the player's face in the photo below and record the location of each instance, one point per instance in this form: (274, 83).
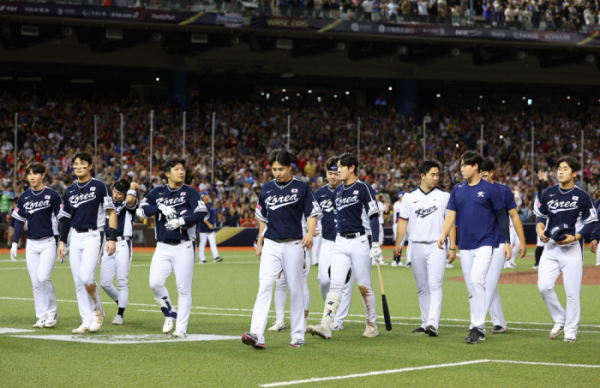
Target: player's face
(206, 198)
(467, 171)
(34, 179)
(333, 178)
(488, 176)
(281, 173)
(345, 172)
(565, 173)
(118, 196)
(432, 177)
(177, 174)
(81, 168)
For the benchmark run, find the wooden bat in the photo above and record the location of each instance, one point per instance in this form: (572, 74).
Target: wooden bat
(386, 310)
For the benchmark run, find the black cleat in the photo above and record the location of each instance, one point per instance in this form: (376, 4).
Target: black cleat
(432, 331)
(499, 329)
(474, 336)
(419, 330)
(218, 259)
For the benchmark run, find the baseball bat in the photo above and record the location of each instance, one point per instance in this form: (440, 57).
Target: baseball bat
(386, 310)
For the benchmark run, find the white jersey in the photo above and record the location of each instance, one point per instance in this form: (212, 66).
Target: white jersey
(381, 211)
(425, 214)
(397, 207)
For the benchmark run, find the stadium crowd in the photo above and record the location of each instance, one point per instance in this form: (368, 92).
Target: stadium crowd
(52, 129)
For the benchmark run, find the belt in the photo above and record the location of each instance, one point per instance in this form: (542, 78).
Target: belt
(352, 234)
(119, 238)
(173, 242)
(284, 240)
(86, 230)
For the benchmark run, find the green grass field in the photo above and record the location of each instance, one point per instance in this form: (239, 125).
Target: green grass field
(223, 299)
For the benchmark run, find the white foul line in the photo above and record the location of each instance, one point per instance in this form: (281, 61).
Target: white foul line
(385, 372)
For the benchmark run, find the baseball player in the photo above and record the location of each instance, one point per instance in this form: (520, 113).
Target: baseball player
(38, 207)
(177, 209)
(382, 211)
(478, 210)
(423, 211)
(282, 204)
(207, 231)
(125, 200)
(317, 241)
(357, 213)
(571, 214)
(492, 297)
(398, 256)
(86, 205)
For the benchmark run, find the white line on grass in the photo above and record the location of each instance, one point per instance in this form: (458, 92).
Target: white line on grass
(385, 372)
(146, 265)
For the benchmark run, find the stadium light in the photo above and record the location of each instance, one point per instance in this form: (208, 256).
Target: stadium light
(481, 97)
(390, 88)
(500, 136)
(347, 92)
(335, 96)
(283, 90)
(438, 95)
(568, 97)
(503, 101)
(530, 102)
(310, 91)
(157, 79)
(262, 93)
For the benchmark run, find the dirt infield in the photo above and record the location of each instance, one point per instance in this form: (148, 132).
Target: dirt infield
(591, 277)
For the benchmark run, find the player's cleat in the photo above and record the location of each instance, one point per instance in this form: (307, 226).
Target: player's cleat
(371, 331)
(571, 340)
(338, 327)
(448, 265)
(97, 321)
(556, 330)
(408, 265)
(597, 264)
(118, 320)
(474, 336)
(218, 259)
(278, 326)
(512, 265)
(313, 264)
(202, 261)
(179, 334)
(80, 330)
(322, 330)
(419, 330)
(397, 264)
(383, 263)
(51, 322)
(432, 331)
(499, 329)
(296, 343)
(537, 266)
(252, 340)
(40, 323)
(168, 325)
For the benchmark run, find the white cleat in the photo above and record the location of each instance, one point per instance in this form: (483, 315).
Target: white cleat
(338, 327)
(81, 330)
(396, 264)
(118, 320)
(168, 326)
(97, 321)
(448, 265)
(556, 330)
(371, 331)
(179, 334)
(383, 263)
(278, 326)
(322, 330)
(40, 323)
(51, 322)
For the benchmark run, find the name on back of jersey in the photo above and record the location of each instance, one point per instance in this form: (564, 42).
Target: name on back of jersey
(277, 201)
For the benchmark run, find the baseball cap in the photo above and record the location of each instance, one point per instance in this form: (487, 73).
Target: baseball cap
(557, 233)
(203, 193)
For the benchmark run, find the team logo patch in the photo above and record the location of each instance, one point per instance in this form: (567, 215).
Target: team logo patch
(92, 189)
(294, 190)
(575, 198)
(17, 209)
(355, 192)
(183, 193)
(481, 194)
(258, 207)
(47, 197)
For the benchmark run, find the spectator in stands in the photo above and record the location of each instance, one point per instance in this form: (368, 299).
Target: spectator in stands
(367, 6)
(325, 11)
(233, 218)
(589, 18)
(248, 221)
(423, 10)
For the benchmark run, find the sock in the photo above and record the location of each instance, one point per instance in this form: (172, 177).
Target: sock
(331, 305)
(121, 311)
(166, 307)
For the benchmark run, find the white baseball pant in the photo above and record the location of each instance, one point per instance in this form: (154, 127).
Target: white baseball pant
(475, 265)
(40, 256)
(324, 282)
(281, 292)
(380, 235)
(568, 260)
(213, 245)
(598, 257)
(515, 241)
(355, 254)
(276, 257)
(493, 302)
(428, 266)
(119, 263)
(85, 253)
(179, 259)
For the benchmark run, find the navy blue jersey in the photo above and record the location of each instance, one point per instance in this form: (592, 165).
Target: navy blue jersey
(283, 207)
(211, 218)
(124, 219)
(355, 205)
(475, 206)
(325, 198)
(183, 196)
(39, 211)
(569, 210)
(86, 204)
(508, 198)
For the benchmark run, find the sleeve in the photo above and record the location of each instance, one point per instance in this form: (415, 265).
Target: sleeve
(65, 207)
(311, 206)
(404, 211)
(447, 200)
(148, 204)
(57, 204)
(200, 211)
(540, 209)
(496, 198)
(509, 201)
(261, 206)
(451, 201)
(19, 211)
(107, 202)
(588, 212)
(370, 202)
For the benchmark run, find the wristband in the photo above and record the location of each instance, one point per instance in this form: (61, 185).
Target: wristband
(452, 249)
(112, 234)
(132, 192)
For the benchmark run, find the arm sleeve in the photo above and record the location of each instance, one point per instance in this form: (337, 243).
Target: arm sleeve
(503, 222)
(261, 206)
(65, 226)
(375, 227)
(19, 226)
(311, 206)
(57, 205)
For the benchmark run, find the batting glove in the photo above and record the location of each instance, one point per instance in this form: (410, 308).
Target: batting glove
(167, 210)
(175, 224)
(13, 252)
(140, 213)
(376, 253)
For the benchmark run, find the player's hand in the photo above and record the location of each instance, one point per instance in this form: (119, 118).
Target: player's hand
(376, 253)
(111, 247)
(13, 252)
(451, 256)
(167, 210)
(594, 246)
(175, 224)
(62, 252)
(441, 242)
(210, 226)
(543, 237)
(522, 249)
(507, 252)
(307, 241)
(569, 239)
(134, 186)
(259, 247)
(140, 213)
(398, 249)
